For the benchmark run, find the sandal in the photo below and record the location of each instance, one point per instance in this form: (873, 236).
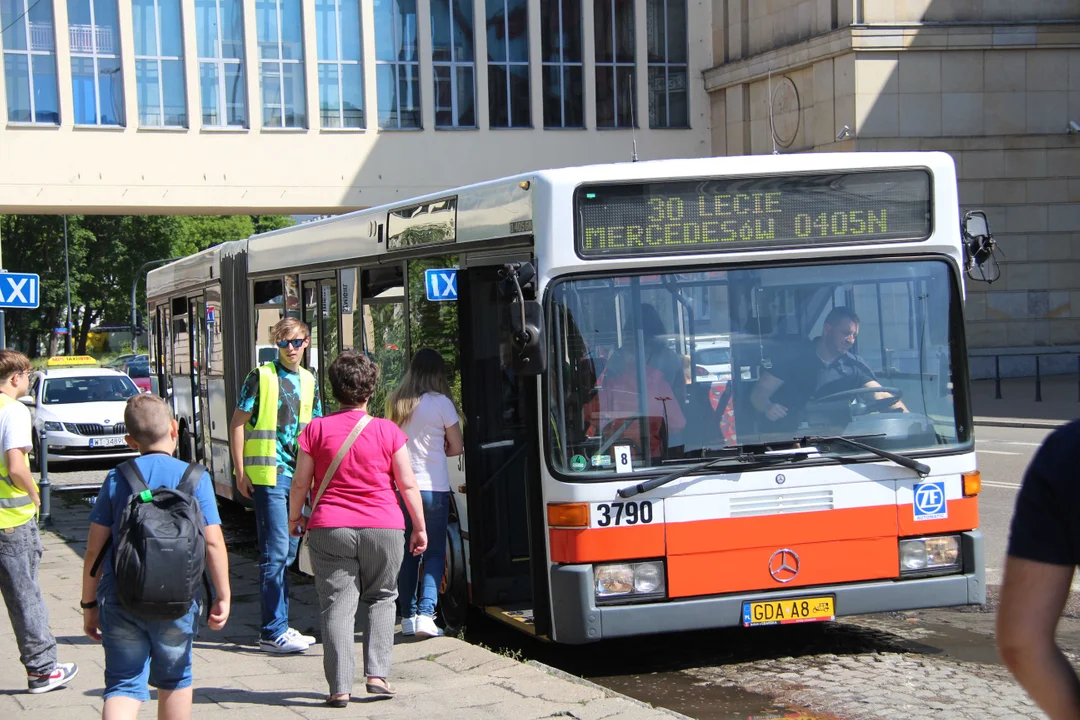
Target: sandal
(337, 702)
(381, 689)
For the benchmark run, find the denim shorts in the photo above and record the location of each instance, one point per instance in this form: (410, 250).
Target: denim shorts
(145, 652)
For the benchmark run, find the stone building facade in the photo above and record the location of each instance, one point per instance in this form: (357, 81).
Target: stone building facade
(995, 83)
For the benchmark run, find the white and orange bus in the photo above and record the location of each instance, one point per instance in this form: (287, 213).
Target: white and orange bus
(826, 286)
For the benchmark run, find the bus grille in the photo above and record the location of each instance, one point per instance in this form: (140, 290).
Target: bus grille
(95, 429)
(782, 503)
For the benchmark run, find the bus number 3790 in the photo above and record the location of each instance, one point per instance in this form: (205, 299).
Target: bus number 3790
(624, 513)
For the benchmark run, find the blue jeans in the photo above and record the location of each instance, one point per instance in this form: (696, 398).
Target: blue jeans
(277, 551)
(140, 652)
(436, 515)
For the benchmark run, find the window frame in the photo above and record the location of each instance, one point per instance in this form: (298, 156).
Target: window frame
(668, 65)
(94, 56)
(506, 65)
(29, 53)
(159, 59)
(396, 64)
(454, 65)
(563, 64)
(278, 64)
(615, 64)
(339, 64)
(219, 63)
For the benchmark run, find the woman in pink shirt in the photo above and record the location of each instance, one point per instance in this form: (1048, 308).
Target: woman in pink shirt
(356, 525)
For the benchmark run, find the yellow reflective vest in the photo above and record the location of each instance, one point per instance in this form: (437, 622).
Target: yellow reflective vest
(260, 447)
(16, 506)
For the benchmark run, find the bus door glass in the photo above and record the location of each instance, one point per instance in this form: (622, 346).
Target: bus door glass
(162, 345)
(197, 323)
(268, 306)
(214, 404)
(321, 315)
(182, 375)
(498, 444)
(382, 297)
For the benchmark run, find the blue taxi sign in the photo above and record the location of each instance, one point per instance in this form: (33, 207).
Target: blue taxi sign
(19, 290)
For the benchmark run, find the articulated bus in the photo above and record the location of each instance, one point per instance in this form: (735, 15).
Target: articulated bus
(826, 286)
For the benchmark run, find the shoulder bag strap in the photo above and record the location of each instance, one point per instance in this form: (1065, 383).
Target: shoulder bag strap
(342, 451)
(189, 483)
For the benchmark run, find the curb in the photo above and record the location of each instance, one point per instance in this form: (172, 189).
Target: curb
(1018, 423)
(563, 675)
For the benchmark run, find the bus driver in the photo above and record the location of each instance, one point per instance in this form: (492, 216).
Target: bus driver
(820, 367)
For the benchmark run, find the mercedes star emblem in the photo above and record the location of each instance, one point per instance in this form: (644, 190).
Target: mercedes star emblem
(780, 479)
(784, 565)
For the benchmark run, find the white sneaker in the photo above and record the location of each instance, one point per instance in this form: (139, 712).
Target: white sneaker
(408, 625)
(61, 674)
(426, 627)
(283, 645)
(293, 632)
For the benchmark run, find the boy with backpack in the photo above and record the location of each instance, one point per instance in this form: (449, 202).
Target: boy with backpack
(154, 528)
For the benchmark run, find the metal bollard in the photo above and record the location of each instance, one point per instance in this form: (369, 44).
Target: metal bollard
(997, 377)
(1038, 381)
(44, 487)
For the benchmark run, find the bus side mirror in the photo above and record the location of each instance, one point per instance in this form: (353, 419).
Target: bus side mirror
(978, 242)
(527, 327)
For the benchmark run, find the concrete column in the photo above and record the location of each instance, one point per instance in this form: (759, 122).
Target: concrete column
(126, 28)
(483, 120)
(371, 90)
(193, 83)
(427, 78)
(588, 55)
(66, 96)
(251, 67)
(311, 65)
(536, 69)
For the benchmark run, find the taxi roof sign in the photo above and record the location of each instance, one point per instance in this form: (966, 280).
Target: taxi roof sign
(71, 361)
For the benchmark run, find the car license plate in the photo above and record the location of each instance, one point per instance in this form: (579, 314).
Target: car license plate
(117, 441)
(790, 610)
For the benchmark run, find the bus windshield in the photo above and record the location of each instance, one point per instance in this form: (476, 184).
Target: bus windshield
(747, 356)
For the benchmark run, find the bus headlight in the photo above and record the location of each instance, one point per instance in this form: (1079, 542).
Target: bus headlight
(930, 554)
(631, 580)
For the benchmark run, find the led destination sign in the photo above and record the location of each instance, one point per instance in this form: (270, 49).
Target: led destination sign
(751, 213)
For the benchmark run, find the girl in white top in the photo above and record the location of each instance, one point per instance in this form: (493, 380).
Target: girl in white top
(423, 409)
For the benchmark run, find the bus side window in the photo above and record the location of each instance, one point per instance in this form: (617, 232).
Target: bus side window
(382, 296)
(268, 306)
(181, 356)
(434, 323)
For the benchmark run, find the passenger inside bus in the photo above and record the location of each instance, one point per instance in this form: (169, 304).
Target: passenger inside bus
(814, 370)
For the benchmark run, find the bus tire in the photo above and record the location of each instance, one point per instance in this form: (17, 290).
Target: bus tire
(453, 605)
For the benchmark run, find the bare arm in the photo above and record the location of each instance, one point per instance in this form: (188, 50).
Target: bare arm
(302, 479)
(885, 395)
(217, 562)
(236, 448)
(761, 396)
(454, 444)
(20, 474)
(406, 485)
(95, 541)
(1033, 596)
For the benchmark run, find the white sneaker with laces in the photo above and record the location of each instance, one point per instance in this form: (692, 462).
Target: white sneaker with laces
(408, 625)
(61, 674)
(284, 644)
(293, 632)
(426, 627)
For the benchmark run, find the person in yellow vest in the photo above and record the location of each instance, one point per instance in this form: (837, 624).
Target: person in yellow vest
(20, 545)
(277, 401)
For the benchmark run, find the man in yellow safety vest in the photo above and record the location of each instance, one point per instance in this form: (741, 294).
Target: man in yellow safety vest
(20, 545)
(277, 400)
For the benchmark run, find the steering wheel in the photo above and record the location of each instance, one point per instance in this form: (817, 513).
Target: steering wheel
(872, 406)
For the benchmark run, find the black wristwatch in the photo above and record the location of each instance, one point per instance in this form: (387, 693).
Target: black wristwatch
(88, 606)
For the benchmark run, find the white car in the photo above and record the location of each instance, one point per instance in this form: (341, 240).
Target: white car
(712, 360)
(81, 411)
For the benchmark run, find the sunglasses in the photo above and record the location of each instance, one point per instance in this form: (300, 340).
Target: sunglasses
(295, 342)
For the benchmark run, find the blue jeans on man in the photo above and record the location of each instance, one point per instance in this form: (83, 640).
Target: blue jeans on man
(277, 551)
(413, 600)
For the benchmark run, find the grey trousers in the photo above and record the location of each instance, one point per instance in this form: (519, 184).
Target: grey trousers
(356, 565)
(20, 554)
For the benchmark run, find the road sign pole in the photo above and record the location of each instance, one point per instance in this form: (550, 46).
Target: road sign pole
(67, 281)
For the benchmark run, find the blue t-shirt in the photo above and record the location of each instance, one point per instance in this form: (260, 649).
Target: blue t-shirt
(288, 419)
(159, 471)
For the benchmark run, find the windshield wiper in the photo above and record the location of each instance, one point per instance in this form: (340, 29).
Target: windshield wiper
(903, 460)
(754, 460)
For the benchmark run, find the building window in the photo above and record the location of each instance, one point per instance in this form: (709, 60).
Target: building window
(281, 62)
(30, 61)
(668, 106)
(564, 85)
(97, 81)
(159, 63)
(615, 91)
(453, 63)
(508, 63)
(219, 26)
(397, 65)
(341, 73)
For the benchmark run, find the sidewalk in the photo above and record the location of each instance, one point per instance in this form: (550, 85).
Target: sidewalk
(438, 677)
(1017, 406)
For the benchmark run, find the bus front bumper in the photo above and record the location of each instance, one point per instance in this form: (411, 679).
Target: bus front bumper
(579, 619)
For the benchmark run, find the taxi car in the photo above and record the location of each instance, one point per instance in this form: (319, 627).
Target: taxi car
(81, 408)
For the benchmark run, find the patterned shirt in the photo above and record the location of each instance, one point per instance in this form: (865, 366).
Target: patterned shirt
(288, 419)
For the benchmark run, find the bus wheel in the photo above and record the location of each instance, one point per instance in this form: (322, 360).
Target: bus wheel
(453, 591)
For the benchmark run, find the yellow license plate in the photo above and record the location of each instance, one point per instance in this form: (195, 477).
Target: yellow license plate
(791, 610)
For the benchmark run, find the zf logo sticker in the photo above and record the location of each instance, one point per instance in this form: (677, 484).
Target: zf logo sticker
(930, 501)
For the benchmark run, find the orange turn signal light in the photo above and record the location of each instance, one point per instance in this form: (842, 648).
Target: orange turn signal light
(972, 483)
(568, 515)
